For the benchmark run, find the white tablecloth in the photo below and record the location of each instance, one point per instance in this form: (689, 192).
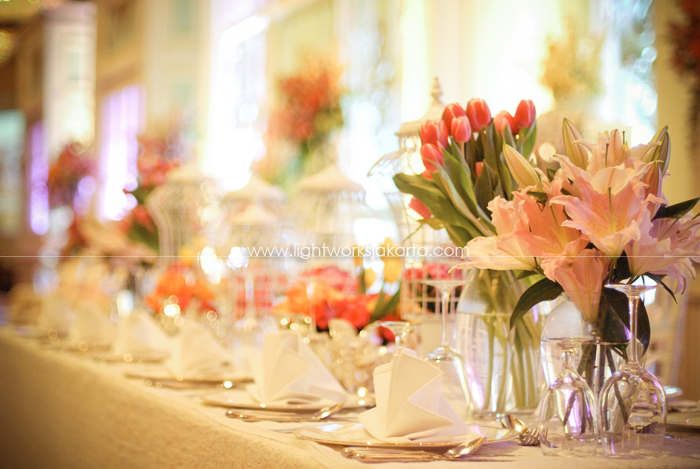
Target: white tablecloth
(60, 409)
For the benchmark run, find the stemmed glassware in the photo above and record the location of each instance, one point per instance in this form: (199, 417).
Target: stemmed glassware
(400, 329)
(632, 403)
(568, 418)
(454, 383)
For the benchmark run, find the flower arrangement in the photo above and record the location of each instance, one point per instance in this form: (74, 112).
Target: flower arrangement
(340, 294)
(159, 153)
(179, 286)
(308, 113)
(685, 39)
(599, 218)
(73, 164)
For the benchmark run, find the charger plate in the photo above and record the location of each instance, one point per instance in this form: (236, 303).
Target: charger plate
(354, 434)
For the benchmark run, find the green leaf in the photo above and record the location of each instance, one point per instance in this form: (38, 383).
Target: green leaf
(544, 290)
(540, 197)
(386, 308)
(458, 174)
(551, 172)
(676, 210)
(458, 235)
(526, 274)
(485, 186)
(659, 279)
(529, 139)
(433, 222)
(508, 136)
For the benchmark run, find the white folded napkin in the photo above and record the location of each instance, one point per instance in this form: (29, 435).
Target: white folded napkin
(92, 326)
(56, 313)
(195, 353)
(410, 404)
(290, 372)
(138, 334)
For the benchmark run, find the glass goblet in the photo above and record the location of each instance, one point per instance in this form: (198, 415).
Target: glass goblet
(632, 403)
(447, 359)
(400, 329)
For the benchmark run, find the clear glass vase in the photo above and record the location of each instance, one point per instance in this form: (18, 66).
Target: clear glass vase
(502, 365)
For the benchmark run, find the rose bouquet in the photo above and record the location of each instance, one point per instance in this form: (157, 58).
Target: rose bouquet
(599, 218)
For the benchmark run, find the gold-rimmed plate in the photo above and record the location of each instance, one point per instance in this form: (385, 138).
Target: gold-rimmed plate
(354, 434)
(236, 399)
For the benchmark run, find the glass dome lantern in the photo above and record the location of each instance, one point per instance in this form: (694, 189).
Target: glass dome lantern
(421, 263)
(181, 209)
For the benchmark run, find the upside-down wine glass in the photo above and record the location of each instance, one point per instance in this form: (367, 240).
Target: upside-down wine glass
(568, 414)
(632, 403)
(454, 383)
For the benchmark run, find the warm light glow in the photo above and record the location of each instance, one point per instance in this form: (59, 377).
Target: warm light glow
(415, 81)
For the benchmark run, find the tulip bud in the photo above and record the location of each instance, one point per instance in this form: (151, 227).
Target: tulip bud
(525, 114)
(426, 174)
(461, 129)
(521, 169)
(503, 118)
(434, 132)
(478, 113)
(431, 154)
(451, 112)
(420, 209)
(478, 168)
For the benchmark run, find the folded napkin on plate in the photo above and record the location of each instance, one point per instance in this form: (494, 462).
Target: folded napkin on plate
(138, 334)
(195, 353)
(56, 313)
(92, 326)
(290, 373)
(410, 404)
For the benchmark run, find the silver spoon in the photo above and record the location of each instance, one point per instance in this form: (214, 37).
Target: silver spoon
(369, 455)
(257, 416)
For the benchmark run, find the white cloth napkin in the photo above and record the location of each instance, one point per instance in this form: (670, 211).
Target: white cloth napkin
(56, 313)
(195, 353)
(410, 404)
(291, 373)
(138, 334)
(92, 326)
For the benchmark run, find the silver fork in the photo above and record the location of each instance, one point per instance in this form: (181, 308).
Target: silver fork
(526, 436)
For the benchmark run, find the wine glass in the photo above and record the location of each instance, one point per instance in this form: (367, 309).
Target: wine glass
(447, 359)
(632, 403)
(568, 415)
(400, 329)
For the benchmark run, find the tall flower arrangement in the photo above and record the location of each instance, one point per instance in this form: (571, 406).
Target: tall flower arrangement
(600, 217)
(309, 111)
(159, 153)
(73, 164)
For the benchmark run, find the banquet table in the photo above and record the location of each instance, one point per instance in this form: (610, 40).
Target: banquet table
(60, 408)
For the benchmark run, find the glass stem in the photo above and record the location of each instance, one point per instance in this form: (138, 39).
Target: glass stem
(633, 299)
(568, 358)
(443, 311)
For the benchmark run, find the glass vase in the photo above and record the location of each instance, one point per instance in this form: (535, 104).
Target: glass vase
(502, 365)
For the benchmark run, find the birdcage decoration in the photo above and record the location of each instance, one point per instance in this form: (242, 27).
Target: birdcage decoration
(181, 208)
(334, 225)
(269, 197)
(424, 247)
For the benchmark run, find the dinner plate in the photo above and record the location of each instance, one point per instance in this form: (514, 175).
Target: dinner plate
(242, 400)
(686, 419)
(143, 356)
(354, 434)
(161, 374)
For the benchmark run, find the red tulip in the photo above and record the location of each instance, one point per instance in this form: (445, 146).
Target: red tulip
(421, 209)
(503, 118)
(479, 168)
(451, 112)
(426, 174)
(461, 129)
(431, 154)
(434, 132)
(479, 114)
(525, 114)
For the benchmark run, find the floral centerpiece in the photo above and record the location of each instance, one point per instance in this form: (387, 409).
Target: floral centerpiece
(685, 39)
(309, 111)
(465, 168)
(73, 164)
(599, 218)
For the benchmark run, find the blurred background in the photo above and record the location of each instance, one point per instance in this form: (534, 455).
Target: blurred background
(223, 76)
